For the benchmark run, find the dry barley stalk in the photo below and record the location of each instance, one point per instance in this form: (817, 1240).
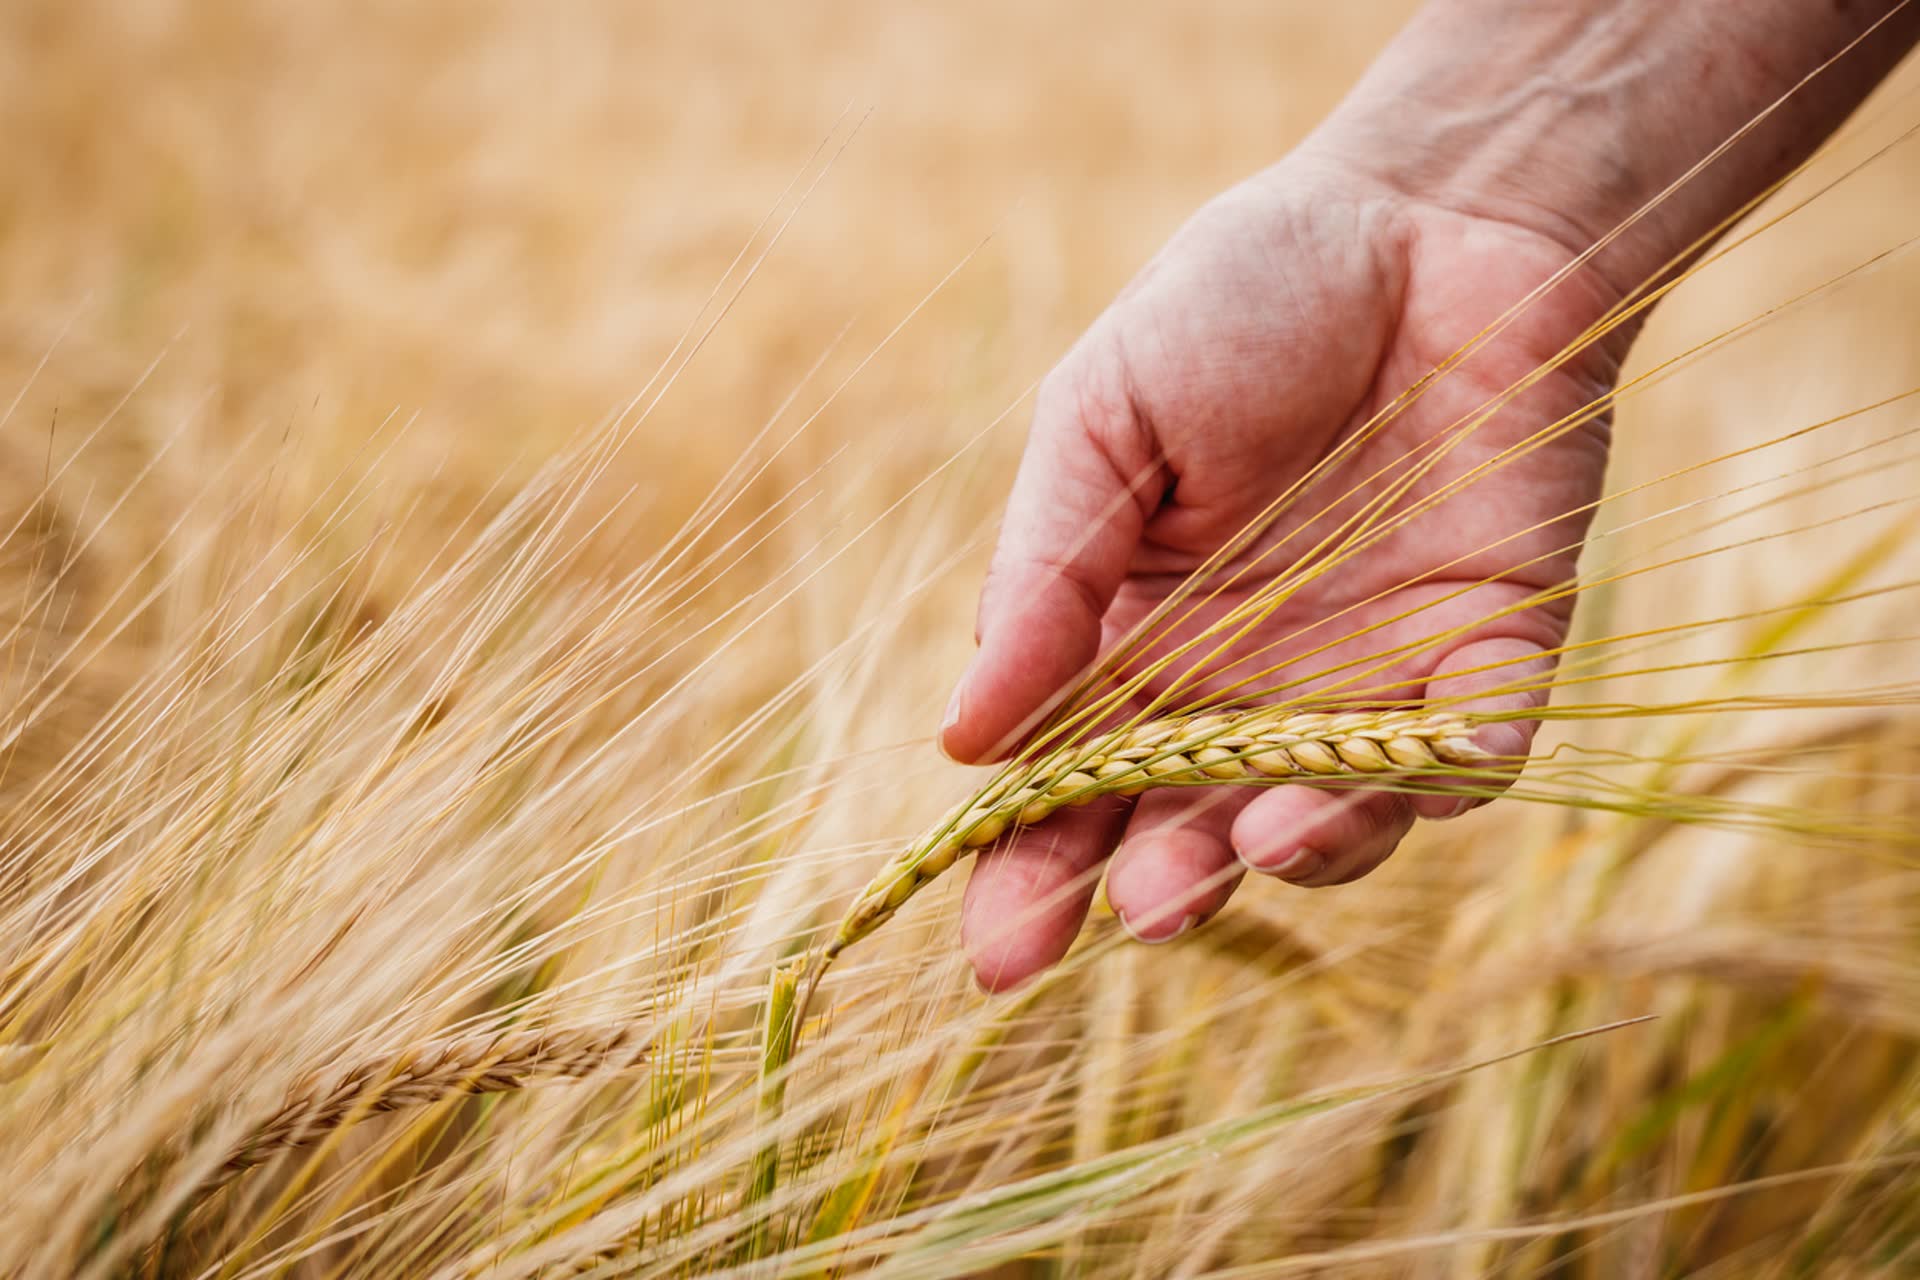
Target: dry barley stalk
(1263, 744)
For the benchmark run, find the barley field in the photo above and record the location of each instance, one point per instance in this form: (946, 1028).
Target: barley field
(493, 504)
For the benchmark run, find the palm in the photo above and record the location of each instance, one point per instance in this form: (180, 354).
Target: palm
(1300, 381)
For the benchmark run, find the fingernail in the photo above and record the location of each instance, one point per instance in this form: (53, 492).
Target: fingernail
(1453, 810)
(1007, 990)
(953, 708)
(1302, 864)
(952, 717)
(1186, 923)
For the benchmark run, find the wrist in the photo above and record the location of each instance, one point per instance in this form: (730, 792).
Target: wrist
(1570, 120)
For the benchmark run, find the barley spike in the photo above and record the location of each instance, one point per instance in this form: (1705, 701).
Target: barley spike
(432, 1072)
(1262, 744)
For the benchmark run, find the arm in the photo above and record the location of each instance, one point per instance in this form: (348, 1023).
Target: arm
(1570, 117)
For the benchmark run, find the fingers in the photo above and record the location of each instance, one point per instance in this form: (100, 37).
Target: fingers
(1315, 838)
(1088, 481)
(1502, 673)
(1180, 858)
(1028, 896)
(1175, 867)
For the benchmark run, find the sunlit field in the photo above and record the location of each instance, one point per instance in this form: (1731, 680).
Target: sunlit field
(493, 505)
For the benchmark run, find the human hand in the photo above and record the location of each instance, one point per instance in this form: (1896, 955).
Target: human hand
(1269, 330)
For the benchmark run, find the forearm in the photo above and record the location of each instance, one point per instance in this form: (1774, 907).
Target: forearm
(1571, 116)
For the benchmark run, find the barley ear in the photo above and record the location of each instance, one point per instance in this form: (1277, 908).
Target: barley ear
(1257, 745)
(433, 1072)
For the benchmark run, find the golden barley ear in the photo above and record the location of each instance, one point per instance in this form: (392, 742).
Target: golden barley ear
(1277, 744)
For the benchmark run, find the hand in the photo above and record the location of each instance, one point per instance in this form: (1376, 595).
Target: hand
(1270, 329)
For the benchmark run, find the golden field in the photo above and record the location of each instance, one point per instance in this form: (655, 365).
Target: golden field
(422, 626)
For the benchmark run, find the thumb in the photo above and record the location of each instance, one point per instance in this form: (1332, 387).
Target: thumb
(1090, 478)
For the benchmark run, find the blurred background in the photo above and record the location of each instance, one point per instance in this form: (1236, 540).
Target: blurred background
(500, 216)
(253, 235)
(493, 221)
(497, 218)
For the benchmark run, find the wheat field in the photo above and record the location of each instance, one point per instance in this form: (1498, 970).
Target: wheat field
(494, 500)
